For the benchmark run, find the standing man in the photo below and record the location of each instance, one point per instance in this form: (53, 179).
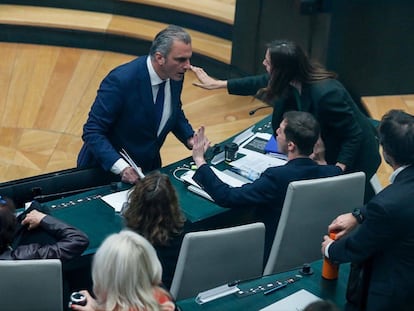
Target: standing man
(137, 105)
(296, 137)
(385, 234)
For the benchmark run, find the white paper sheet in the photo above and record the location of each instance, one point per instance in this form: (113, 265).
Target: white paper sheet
(117, 199)
(297, 301)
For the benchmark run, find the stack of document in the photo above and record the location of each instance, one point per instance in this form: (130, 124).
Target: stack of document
(254, 164)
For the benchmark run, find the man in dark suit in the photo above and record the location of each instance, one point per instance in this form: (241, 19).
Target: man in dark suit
(385, 230)
(137, 105)
(296, 137)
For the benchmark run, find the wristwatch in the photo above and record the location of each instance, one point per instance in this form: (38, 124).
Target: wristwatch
(358, 215)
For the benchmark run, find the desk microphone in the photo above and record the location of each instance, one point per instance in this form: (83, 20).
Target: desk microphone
(252, 112)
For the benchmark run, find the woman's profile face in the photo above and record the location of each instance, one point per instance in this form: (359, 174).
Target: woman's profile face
(267, 62)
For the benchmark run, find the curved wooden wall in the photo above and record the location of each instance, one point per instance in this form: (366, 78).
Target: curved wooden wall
(123, 26)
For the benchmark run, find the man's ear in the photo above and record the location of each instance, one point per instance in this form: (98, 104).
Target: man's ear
(159, 58)
(291, 146)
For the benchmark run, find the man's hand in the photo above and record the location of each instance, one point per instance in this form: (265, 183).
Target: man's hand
(33, 219)
(207, 82)
(326, 241)
(343, 224)
(190, 142)
(201, 144)
(129, 175)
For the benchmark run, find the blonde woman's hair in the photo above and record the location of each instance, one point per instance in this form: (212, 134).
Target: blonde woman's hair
(125, 272)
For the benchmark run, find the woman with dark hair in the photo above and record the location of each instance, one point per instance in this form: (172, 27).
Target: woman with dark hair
(295, 82)
(154, 213)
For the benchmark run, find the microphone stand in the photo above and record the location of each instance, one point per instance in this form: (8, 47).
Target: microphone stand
(252, 112)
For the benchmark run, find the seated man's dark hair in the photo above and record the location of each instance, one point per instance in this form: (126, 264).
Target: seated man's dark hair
(396, 132)
(303, 129)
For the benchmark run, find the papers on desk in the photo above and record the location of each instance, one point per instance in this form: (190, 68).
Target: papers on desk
(297, 301)
(255, 160)
(254, 164)
(116, 200)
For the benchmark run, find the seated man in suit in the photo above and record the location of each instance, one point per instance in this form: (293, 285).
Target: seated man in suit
(137, 105)
(296, 137)
(385, 235)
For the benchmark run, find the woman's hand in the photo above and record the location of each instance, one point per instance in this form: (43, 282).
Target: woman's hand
(207, 82)
(91, 304)
(318, 154)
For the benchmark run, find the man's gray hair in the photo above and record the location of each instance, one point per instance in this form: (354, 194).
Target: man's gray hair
(164, 39)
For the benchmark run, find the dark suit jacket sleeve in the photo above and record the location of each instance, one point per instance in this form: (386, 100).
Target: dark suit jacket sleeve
(336, 115)
(256, 193)
(374, 235)
(103, 115)
(247, 85)
(71, 242)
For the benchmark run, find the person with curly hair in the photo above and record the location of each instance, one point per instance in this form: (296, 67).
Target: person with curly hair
(154, 213)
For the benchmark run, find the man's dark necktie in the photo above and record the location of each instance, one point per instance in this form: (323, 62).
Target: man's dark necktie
(159, 103)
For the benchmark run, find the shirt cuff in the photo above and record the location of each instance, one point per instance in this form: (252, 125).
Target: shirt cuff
(119, 166)
(327, 249)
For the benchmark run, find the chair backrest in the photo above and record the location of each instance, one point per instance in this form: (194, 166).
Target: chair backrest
(309, 207)
(34, 285)
(211, 258)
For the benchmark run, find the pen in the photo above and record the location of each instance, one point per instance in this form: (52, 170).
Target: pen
(275, 288)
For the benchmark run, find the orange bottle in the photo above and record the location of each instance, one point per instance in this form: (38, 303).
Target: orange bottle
(329, 269)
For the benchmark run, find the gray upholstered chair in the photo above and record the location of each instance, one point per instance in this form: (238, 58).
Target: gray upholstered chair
(309, 207)
(34, 285)
(215, 257)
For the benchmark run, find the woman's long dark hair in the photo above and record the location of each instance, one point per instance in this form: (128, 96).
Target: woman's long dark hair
(153, 209)
(290, 63)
